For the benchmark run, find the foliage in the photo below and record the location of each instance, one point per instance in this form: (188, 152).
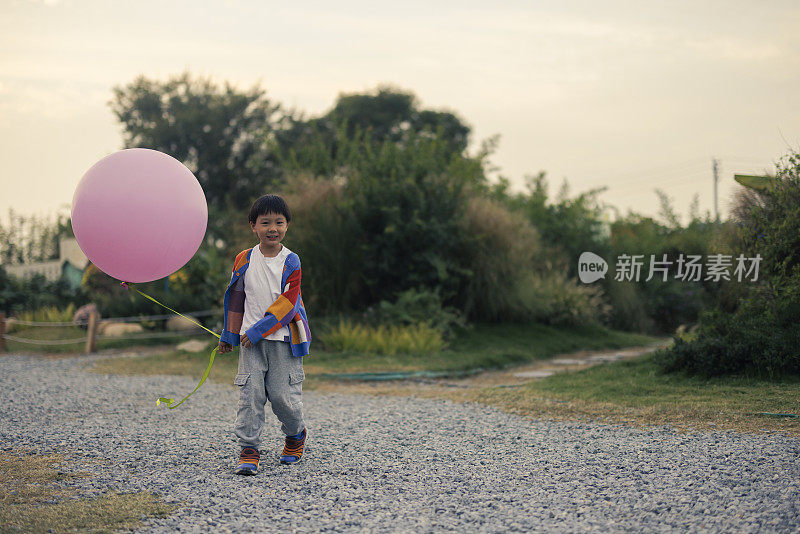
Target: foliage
(18, 295)
(567, 226)
(407, 201)
(325, 234)
(629, 310)
(755, 341)
(33, 238)
(198, 286)
(385, 114)
(393, 208)
(414, 217)
(201, 282)
(49, 314)
(665, 303)
(382, 192)
(383, 339)
(417, 307)
(761, 337)
(554, 299)
(221, 134)
(500, 251)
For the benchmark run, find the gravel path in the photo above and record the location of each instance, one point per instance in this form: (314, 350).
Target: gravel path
(395, 465)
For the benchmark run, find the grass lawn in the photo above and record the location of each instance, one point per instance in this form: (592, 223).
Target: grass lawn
(32, 500)
(632, 391)
(481, 347)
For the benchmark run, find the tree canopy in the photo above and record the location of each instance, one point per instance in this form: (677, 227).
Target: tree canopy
(220, 133)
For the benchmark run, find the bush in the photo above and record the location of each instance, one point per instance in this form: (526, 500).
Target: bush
(199, 285)
(415, 307)
(761, 337)
(325, 235)
(19, 295)
(752, 342)
(663, 304)
(49, 314)
(628, 309)
(554, 299)
(499, 251)
(377, 218)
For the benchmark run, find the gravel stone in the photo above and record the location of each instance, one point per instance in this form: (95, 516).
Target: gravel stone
(387, 464)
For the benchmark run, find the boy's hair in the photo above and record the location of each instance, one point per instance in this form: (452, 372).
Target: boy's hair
(269, 204)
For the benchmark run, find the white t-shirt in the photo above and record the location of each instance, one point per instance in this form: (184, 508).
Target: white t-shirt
(262, 286)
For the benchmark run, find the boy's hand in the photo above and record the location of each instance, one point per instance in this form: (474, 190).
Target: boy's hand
(224, 347)
(245, 341)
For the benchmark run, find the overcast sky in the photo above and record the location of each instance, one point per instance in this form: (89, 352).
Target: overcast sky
(631, 95)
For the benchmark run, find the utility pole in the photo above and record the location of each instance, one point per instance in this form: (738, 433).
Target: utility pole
(715, 165)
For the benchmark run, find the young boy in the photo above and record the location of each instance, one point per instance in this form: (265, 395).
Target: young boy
(264, 311)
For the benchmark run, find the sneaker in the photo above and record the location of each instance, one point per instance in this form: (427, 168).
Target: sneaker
(248, 462)
(293, 449)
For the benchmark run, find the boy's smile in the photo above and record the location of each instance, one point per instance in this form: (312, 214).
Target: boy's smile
(270, 229)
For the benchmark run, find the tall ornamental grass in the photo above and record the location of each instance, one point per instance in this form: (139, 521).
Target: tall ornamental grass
(347, 336)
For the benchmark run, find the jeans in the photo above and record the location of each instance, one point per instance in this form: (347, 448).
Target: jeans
(268, 372)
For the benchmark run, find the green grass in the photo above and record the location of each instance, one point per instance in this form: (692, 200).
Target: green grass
(490, 346)
(633, 391)
(494, 346)
(481, 347)
(637, 382)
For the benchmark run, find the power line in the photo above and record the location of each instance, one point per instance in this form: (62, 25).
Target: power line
(640, 187)
(653, 173)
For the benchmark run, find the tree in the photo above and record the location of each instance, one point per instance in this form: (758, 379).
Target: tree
(221, 134)
(385, 114)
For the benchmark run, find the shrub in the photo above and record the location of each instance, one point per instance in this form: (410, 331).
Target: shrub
(554, 299)
(414, 307)
(761, 337)
(499, 251)
(18, 295)
(385, 216)
(198, 286)
(663, 304)
(324, 233)
(628, 309)
(751, 342)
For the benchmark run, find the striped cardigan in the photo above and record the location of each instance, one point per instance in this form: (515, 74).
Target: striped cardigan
(287, 310)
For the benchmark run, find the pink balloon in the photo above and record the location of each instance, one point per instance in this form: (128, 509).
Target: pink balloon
(139, 215)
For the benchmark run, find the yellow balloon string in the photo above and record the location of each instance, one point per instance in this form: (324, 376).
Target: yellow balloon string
(171, 402)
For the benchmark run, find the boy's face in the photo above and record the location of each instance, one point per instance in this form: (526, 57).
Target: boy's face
(270, 228)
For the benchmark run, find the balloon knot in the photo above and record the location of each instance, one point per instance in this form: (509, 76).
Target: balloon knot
(124, 284)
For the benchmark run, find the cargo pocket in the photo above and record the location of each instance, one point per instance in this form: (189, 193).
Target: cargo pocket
(296, 386)
(245, 391)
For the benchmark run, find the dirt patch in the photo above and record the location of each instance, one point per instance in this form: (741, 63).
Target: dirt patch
(32, 499)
